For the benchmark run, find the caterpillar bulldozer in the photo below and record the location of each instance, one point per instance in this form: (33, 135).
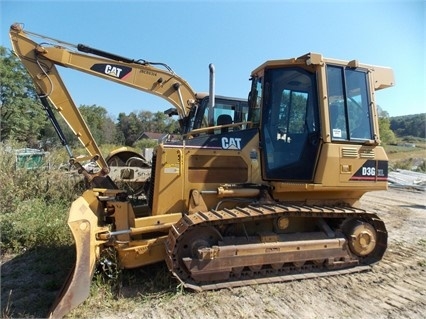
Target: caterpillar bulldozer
(256, 191)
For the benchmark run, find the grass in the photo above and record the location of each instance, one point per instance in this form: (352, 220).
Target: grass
(31, 279)
(406, 157)
(33, 206)
(134, 287)
(36, 246)
(37, 250)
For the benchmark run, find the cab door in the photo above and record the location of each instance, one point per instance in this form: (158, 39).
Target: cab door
(290, 131)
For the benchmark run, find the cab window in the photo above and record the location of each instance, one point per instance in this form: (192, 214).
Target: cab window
(348, 102)
(226, 111)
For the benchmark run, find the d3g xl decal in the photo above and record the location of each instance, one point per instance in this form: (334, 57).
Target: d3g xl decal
(372, 171)
(114, 70)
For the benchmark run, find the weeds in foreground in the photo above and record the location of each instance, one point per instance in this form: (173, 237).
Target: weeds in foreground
(36, 244)
(33, 213)
(131, 290)
(7, 310)
(33, 205)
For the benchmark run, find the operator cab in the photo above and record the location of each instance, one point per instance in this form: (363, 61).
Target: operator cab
(286, 104)
(226, 111)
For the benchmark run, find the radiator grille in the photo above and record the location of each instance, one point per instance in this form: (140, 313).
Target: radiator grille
(349, 152)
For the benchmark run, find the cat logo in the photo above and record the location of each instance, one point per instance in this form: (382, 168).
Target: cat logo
(116, 71)
(231, 143)
(113, 70)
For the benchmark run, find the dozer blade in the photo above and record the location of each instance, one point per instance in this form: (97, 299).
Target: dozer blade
(83, 224)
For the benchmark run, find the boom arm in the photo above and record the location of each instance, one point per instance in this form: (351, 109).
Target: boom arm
(41, 60)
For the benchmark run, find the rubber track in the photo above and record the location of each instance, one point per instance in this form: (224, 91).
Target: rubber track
(252, 213)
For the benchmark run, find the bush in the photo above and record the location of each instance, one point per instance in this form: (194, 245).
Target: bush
(35, 223)
(33, 204)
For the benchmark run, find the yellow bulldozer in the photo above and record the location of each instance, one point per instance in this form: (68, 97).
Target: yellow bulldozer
(260, 190)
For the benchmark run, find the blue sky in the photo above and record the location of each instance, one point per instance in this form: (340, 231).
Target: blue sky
(236, 36)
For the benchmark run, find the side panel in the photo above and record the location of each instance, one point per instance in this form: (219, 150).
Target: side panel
(203, 163)
(344, 173)
(353, 166)
(216, 168)
(169, 181)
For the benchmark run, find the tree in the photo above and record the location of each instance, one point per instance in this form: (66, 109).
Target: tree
(171, 125)
(146, 118)
(386, 134)
(130, 127)
(49, 138)
(100, 123)
(158, 123)
(22, 117)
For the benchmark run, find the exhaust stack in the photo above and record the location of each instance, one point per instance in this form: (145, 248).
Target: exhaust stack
(211, 93)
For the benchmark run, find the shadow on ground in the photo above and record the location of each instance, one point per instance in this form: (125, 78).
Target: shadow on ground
(31, 280)
(146, 281)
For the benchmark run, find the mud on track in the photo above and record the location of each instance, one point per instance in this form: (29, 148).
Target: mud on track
(395, 288)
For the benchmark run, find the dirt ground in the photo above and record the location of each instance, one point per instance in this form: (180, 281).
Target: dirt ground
(394, 288)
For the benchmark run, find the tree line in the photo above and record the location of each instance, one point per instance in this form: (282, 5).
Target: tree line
(405, 126)
(409, 125)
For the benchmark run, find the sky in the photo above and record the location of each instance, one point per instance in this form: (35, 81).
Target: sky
(236, 36)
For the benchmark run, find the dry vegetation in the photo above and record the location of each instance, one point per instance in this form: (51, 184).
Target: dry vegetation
(407, 157)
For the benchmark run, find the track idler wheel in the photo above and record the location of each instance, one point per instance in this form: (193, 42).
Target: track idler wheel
(362, 238)
(192, 242)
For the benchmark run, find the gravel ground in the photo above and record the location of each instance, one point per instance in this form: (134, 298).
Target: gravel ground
(394, 288)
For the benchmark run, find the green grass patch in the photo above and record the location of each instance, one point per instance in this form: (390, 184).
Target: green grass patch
(134, 287)
(37, 248)
(407, 157)
(34, 223)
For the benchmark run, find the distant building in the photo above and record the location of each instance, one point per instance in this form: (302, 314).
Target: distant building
(159, 137)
